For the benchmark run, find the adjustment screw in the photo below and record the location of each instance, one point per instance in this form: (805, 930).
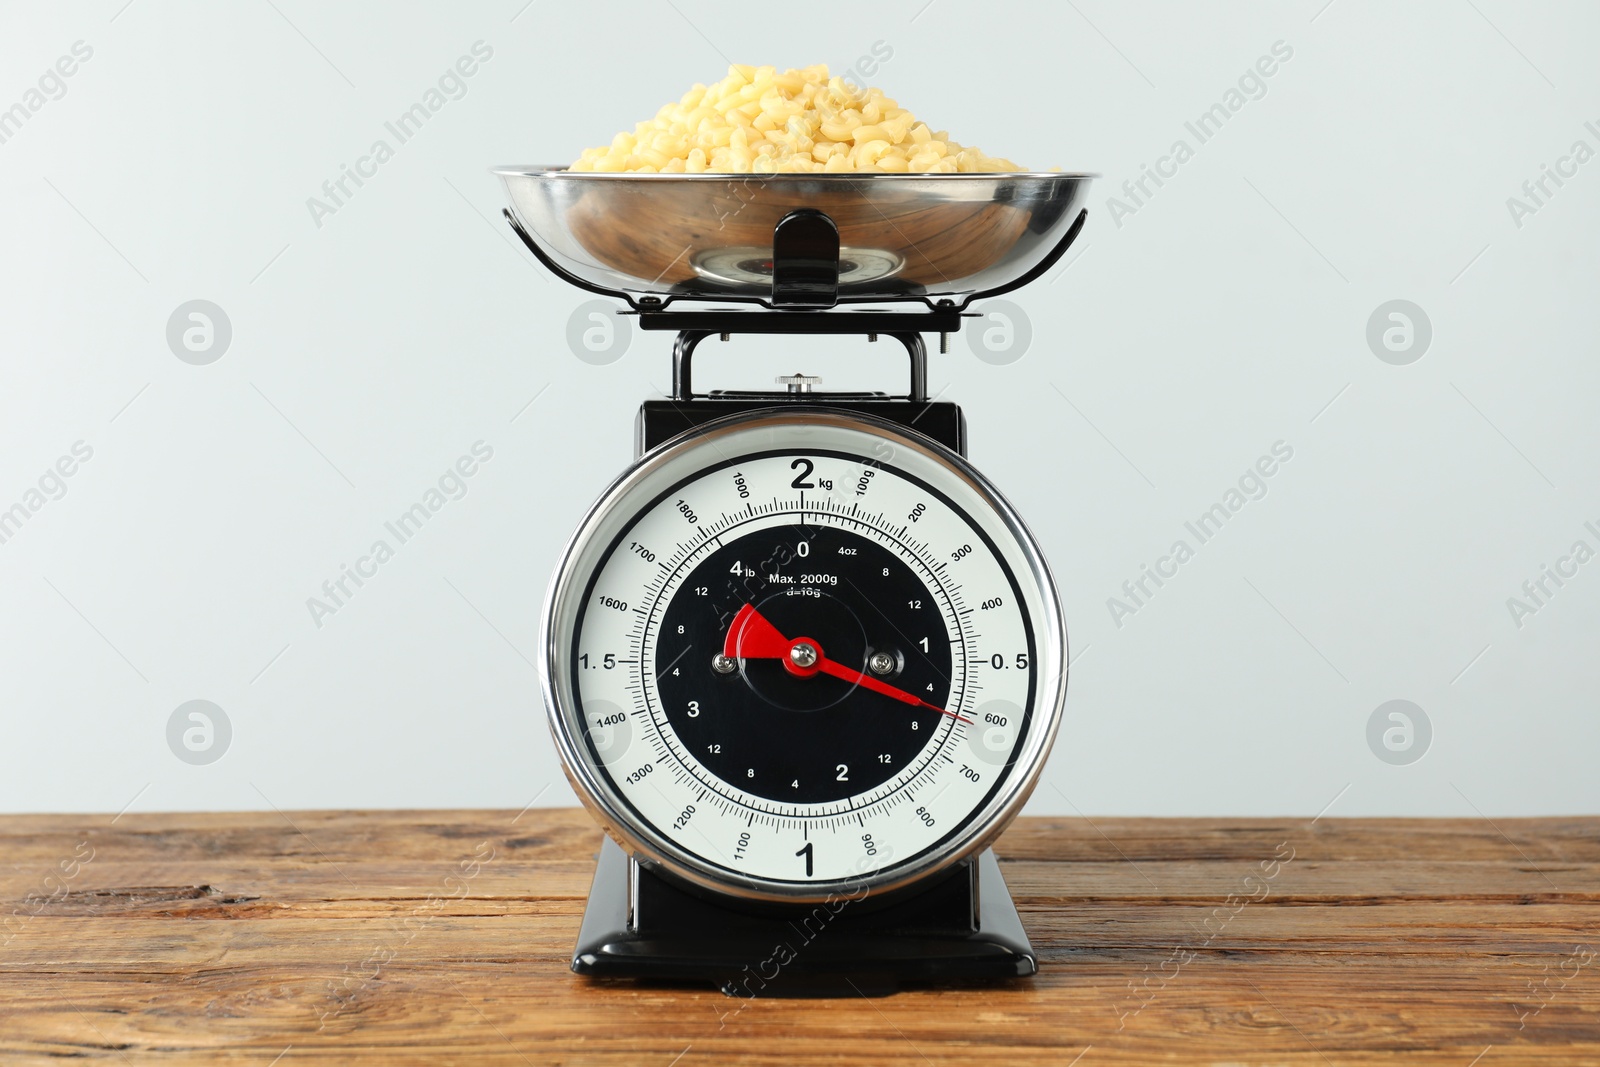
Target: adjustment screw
(723, 665)
(881, 663)
(798, 383)
(803, 655)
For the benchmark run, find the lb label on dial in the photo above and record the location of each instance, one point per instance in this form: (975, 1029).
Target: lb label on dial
(785, 660)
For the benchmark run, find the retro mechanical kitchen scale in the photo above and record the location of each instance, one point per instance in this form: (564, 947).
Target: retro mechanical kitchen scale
(802, 661)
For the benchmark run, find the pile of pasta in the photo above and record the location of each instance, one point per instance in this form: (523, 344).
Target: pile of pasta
(762, 121)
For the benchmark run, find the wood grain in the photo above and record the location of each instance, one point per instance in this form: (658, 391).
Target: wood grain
(443, 938)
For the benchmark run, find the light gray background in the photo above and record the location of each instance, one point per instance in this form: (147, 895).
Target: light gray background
(1229, 312)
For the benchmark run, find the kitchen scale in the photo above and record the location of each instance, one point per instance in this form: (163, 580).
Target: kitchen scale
(801, 660)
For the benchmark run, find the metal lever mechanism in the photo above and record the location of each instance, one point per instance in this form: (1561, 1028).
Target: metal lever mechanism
(805, 260)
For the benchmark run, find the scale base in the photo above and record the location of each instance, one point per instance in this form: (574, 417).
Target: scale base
(965, 928)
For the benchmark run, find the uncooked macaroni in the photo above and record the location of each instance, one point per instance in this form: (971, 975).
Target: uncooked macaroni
(757, 120)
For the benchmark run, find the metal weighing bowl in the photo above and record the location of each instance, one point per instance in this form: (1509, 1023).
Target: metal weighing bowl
(709, 236)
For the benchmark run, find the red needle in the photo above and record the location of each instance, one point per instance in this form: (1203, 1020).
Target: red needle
(751, 636)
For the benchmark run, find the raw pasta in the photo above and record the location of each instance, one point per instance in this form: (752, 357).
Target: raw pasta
(758, 120)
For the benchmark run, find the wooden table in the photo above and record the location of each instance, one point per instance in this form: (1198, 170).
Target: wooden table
(443, 937)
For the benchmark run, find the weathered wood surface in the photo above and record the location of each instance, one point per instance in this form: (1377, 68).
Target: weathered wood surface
(443, 938)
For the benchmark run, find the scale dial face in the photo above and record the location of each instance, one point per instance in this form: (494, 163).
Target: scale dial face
(803, 654)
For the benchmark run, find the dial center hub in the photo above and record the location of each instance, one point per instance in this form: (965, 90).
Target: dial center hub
(794, 681)
(803, 657)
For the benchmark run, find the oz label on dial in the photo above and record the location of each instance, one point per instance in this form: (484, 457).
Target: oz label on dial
(801, 666)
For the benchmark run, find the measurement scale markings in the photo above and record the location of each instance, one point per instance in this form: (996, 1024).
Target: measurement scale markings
(919, 551)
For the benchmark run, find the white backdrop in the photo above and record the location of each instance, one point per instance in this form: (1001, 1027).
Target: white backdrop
(1200, 323)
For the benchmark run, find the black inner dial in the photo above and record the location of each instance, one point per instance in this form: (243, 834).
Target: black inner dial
(789, 731)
